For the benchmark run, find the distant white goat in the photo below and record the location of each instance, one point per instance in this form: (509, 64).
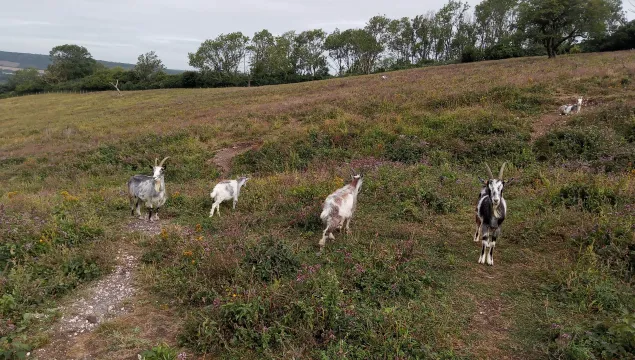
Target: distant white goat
(149, 190)
(570, 108)
(226, 190)
(339, 208)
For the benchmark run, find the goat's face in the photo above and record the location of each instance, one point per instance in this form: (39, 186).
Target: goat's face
(157, 171)
(243, 181)
(495, 190)
(357, 180)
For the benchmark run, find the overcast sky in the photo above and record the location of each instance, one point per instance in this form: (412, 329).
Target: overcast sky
(120, 30)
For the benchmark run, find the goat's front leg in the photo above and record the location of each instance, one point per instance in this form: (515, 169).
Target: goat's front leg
(485, 247)
(156, 214)
(150, 214)
(235, 201)
(323, 239)
(348, 229)
(138, 210)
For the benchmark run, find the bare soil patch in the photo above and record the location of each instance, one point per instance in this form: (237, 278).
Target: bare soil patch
(223, 157)
(104, 300)
(545, 123)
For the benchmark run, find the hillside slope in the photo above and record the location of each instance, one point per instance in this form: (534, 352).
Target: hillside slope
(24, 60)
(405, 283)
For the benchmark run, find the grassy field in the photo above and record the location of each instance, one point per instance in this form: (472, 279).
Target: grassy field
(405, 284)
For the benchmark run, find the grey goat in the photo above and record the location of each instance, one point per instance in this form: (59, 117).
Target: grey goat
(149, 190)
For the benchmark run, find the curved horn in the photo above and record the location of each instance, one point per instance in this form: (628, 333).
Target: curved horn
(162, 161)
(156, 161)
(500, 174)
(489, 171)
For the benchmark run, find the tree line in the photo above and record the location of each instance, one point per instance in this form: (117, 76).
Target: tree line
(494, 29)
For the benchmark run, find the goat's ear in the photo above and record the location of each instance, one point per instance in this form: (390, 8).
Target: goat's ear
(164, 167)
(151, 167)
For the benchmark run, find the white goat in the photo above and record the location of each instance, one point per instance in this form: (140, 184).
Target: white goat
(339, 208)
(148, 189)
(226, 190)
(571, 108)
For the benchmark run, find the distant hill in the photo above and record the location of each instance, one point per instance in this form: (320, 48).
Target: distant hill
(38, 61)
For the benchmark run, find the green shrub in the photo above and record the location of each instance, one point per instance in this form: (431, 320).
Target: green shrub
(271, 259)
(405, 149)
(569, 144)
(239, 324)
(606, 340)
(591, 198)
(615, 245)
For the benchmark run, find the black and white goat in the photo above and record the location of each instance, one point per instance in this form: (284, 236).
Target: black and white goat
(339, 208)
(491, 210)
(149, 190)
(226, 190)
(571, 108)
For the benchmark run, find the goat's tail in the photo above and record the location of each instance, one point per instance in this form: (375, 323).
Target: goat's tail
(325, 213)
(213, 194)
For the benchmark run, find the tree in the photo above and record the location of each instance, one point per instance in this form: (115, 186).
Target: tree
(260, 50)
(339, 48)
(622, 39)
(495, 21)
(425, 30)
(69, 62)
(448, 21)
(222, 55)
(26, 81)
(365, 50)
(148, 65)
(309, 47)
(402, 40)
(554, 22)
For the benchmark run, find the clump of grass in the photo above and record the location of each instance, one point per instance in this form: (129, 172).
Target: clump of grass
(270, 260)
(590, 197)
(160, 352)
(614, 243)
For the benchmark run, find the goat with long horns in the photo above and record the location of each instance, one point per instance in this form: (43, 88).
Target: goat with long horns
(149, 190)
(491, 210)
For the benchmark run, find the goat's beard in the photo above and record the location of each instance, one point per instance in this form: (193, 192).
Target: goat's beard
(497, 212)
(157, 185)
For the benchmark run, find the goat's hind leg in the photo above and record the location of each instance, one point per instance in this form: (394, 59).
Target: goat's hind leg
(492, 245)
(477, 234)
(348, 223)
(322, 242)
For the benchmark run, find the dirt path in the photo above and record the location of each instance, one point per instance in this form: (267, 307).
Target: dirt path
(545, 123)
(223, 157)
(103, 301)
